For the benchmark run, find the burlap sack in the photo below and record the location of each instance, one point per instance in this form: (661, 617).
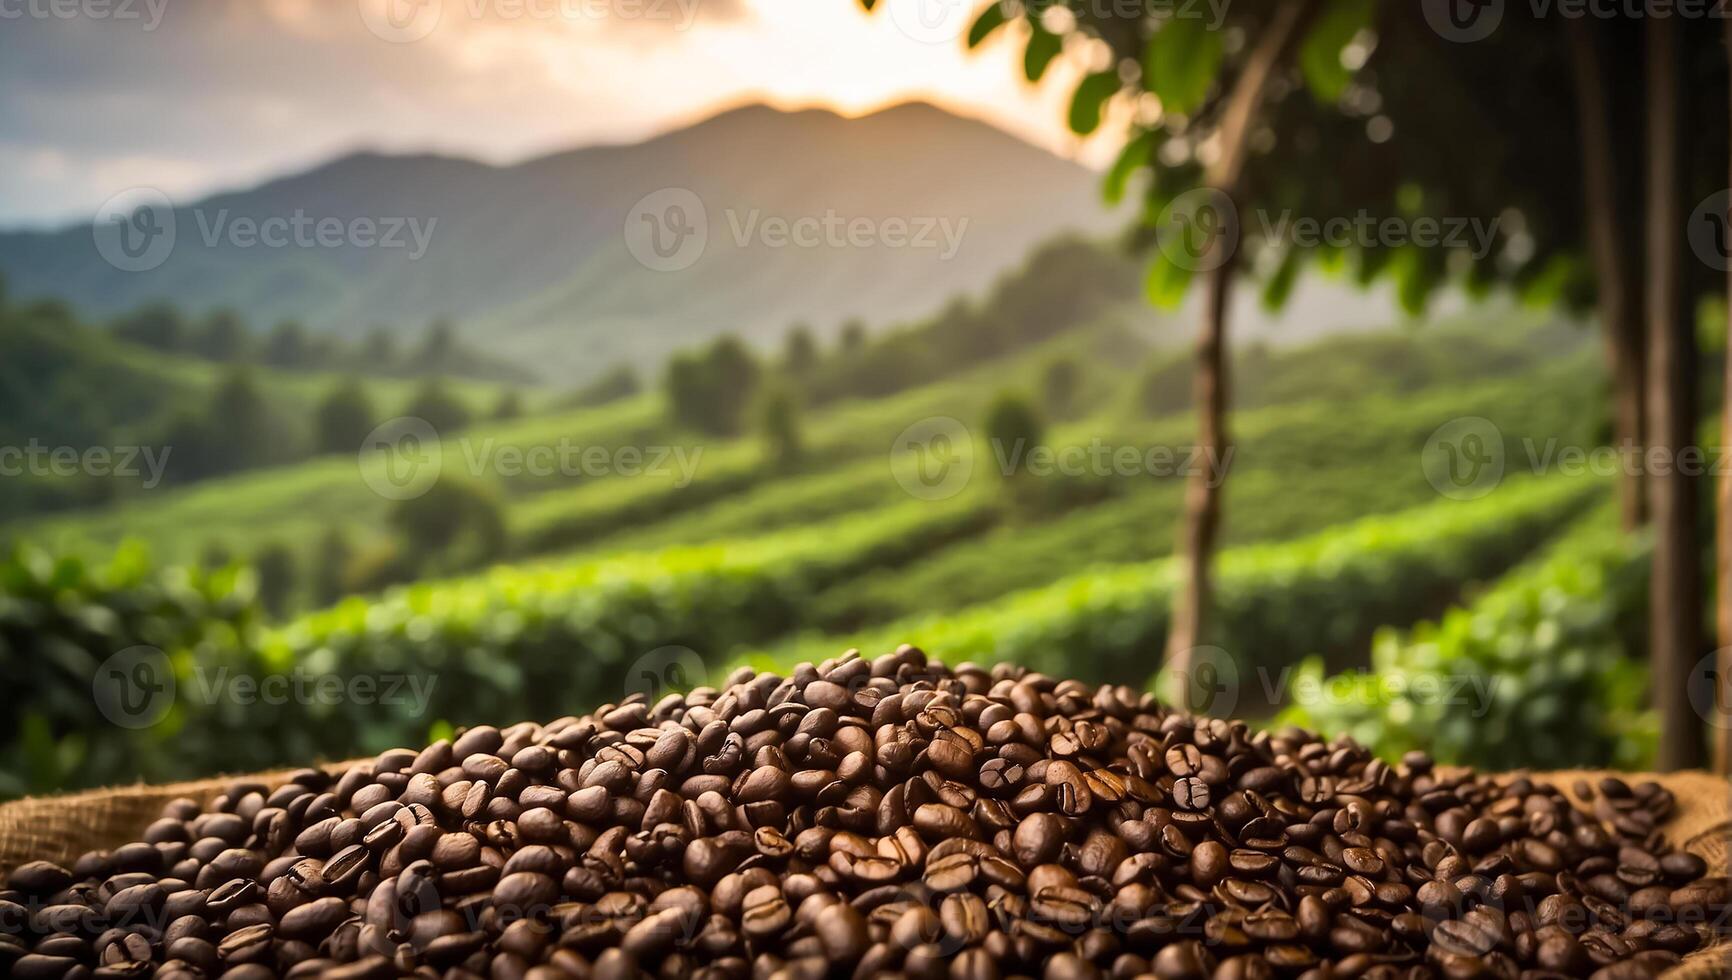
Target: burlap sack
(60, 828)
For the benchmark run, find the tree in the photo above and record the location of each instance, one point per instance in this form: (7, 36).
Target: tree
(379, 350)
(710, 390)
(274, 564)
(508, 407)
(853, 336)
(1611, 232)
(1163, 388)
(158, 326)
(1013, 430)
(214, 555)
(778, 423)
(438, 347)
(619, 383)
(1674, 620)
(223, 337)
(1059, 383)
(331, 566)
(800, 351)
(287, 346)
(243, 433)
(456, 523)
(343, 418)
(437, 406)
(1723, 538)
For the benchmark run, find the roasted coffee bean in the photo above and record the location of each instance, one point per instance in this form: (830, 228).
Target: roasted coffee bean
(879, 817)
(1191, 793)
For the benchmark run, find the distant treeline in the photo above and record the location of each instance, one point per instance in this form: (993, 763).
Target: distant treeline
(225, 338)
(1063, 284)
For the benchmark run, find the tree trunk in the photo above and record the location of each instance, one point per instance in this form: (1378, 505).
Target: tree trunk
(1723, 535)
(1610, 232)
(1210, 386)
(1675, 596)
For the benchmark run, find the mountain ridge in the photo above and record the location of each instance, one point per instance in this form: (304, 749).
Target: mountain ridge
(812, 216)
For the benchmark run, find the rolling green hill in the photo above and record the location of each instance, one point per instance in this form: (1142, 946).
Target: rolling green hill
(64, 383)
(1296, 429)
(1332, 530)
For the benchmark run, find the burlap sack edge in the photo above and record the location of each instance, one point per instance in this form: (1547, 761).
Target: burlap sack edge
(60, 828)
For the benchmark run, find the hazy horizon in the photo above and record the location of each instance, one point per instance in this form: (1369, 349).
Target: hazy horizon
(81, 215)
(195, 97)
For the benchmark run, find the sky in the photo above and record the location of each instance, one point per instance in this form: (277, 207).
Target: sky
(195, 96)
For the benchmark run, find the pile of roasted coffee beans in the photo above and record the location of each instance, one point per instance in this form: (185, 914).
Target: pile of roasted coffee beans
(879, 817)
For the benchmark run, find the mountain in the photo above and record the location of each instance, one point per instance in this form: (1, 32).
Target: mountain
(747, 221)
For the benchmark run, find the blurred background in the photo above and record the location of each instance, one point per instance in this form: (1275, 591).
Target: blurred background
(369, 369)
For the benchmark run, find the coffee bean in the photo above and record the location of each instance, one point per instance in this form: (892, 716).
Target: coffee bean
(1191, 793)
(765, 912)
(1038, 838)
(877, 817)
(246, 945)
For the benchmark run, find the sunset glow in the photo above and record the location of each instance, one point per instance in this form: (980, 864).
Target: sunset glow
(239, 92)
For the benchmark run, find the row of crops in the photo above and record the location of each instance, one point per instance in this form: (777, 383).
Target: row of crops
(543, 640)
(1534, 672)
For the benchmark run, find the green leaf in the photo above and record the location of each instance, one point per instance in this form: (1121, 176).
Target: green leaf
(1043, 46)
(1091, 94)
(990, 19)
(1320, 52)
(1415, 278)
(868, 4)
(1280, 284)
(1180, 62)
(1133, 157)
(1166, 282)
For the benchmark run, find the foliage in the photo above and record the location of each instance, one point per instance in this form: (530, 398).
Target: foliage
(158, 325)
(274, 566)
(240, 430)
(537, 640)
(344, 418)
(799, 351)
(1013, 429)
(1536, 672)
(439, 407)
(616, 385)
(1064, 285)
(222, 338)
(509, 407)
(456, 523)
(288, 346)
(778, 424)
(1059, 384)
(331, 566)
(709, 390)
(62, 619)
(1278, 602)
